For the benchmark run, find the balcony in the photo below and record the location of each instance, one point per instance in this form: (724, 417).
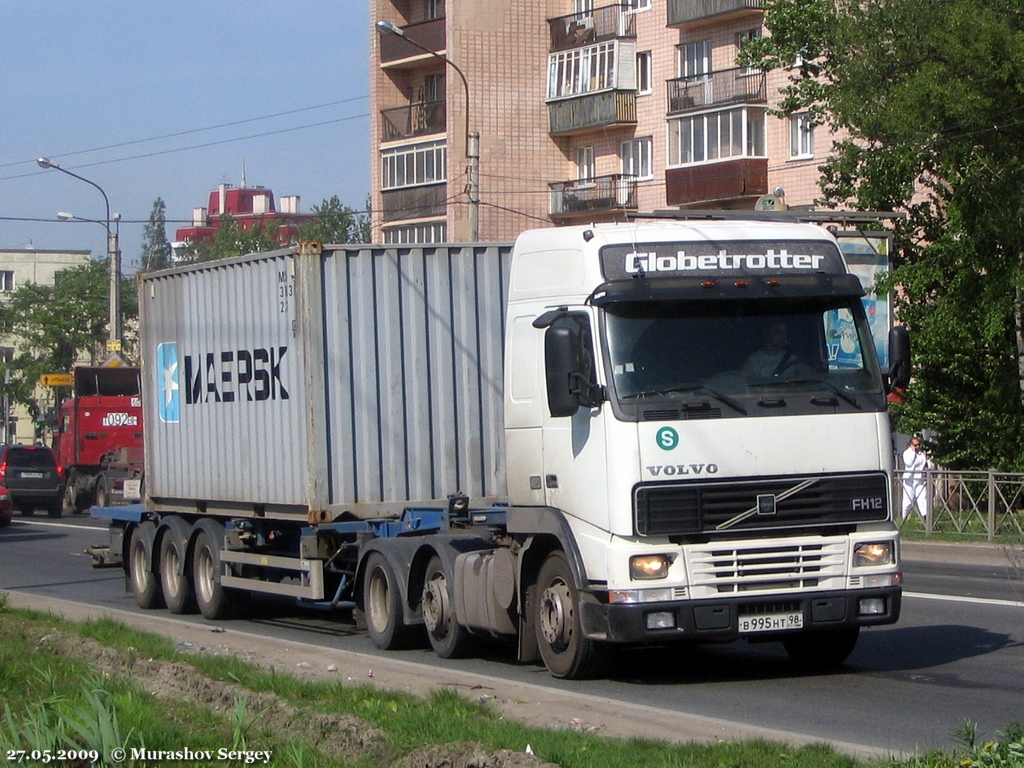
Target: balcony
(689, 11)
(730, 86)
(717, 182)
(586, 28)
(587, 197)
(419, 119)
(429, 34)
(592, 111)
(414, 202)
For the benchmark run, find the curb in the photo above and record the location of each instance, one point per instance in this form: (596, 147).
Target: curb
(963, 553)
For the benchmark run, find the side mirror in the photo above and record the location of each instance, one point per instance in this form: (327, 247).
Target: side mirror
(899, 357)
(560, 345)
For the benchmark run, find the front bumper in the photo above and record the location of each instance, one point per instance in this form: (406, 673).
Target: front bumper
(718, 620)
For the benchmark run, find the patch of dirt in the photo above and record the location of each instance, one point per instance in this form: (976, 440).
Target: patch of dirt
(343, 737)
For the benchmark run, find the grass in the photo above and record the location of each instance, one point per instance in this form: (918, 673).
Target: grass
(53, 700)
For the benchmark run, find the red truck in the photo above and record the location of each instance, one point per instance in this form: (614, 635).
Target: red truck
(99, 440)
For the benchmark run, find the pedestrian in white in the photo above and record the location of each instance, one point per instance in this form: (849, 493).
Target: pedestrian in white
(914, 486)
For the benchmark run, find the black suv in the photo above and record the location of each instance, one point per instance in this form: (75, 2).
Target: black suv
(33, 478)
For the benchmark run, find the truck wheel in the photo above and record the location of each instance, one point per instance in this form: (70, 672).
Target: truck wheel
(823, 649)
(176, 583)
(382, 604)
(448, 639)
(70, 501)
(145, 584)
(215, 601)
(100, 494)
(564, 649)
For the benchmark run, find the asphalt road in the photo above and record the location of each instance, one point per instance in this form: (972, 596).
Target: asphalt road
(956, 654)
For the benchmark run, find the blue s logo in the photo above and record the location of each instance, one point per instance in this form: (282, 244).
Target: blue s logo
(167, 388)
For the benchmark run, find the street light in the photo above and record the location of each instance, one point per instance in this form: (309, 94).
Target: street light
(472, 137)
(113, 253)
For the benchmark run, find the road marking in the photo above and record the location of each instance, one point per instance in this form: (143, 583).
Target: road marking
(61, 525)
(958, 599)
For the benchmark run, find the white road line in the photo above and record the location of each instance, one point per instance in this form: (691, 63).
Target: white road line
(958, 599)
(61, 525)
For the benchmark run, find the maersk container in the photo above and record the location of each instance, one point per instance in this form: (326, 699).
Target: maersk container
(318, 383)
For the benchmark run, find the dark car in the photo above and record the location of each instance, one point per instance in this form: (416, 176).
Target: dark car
(6, 508)
(32, 478)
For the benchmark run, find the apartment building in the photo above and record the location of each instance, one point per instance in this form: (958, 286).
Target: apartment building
(576, 111)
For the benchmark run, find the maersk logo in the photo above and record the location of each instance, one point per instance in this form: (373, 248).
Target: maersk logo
(168, 387)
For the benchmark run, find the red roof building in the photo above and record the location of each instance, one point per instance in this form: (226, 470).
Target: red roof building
(246, 206)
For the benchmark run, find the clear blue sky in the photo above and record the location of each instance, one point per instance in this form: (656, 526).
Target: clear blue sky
(129, 94)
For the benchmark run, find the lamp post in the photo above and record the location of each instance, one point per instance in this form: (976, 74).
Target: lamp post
(472, 137)
(113, 254)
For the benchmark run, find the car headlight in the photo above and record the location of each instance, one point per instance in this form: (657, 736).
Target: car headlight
(645, 567)
(872, 553)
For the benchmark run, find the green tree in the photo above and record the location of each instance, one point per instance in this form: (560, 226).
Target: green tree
(336, 223)
(55, 325)
(156, 250)
(930, 96)
(232, 240)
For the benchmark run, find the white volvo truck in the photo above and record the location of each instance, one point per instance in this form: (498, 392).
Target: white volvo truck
(648, 433)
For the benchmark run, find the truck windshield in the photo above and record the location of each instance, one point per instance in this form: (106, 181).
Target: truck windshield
(731, 355)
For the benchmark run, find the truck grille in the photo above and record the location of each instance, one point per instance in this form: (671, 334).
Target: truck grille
(754, 567)
(728, 507)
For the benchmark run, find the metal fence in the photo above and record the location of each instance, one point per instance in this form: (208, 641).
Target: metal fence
(989, 504)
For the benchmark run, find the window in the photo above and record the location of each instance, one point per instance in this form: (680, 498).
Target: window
(638, 5)
(695, 59)
(6, 281)
(582, 6)
(6, 355)
(435, 9)
(636, 158)
(644, 77)
(414, 166)
(584, 70)
(585, 168)
(717, 136)
(801, 136)
(425, 232)
(433, 88)
(741, 42)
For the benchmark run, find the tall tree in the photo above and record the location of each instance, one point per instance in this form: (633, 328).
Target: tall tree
(929, 93)
(336, 223)
(156, 249)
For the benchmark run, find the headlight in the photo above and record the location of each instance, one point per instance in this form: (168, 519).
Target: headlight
(649, 566)
(873, 553)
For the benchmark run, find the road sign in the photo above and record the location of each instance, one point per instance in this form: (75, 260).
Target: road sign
(56, 380)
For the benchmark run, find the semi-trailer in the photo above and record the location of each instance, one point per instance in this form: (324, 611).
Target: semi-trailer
(563, 441)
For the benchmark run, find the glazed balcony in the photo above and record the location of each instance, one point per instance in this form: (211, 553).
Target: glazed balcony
(689, 11)
(420, 119)
(586, 28)
(592, 111)
(730, 86)
(587, 197)
(429, 34)
(414, 202)
(717, 182)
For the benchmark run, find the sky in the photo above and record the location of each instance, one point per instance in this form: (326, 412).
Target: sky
(169, 99)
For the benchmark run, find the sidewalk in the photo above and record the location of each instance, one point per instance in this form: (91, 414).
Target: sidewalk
(963, 552)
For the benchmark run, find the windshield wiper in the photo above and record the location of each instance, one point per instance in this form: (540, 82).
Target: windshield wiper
(827, 384)
(695, 388)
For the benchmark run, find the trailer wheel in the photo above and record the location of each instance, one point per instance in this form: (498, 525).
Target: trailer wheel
(382, 604)
(215, 601)
(447, 637)
(176, 583)
(823, 649)
(563, 647)
(145, 584)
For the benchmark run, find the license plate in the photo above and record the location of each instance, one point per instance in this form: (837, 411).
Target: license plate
(771, 622)
(33, 475)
